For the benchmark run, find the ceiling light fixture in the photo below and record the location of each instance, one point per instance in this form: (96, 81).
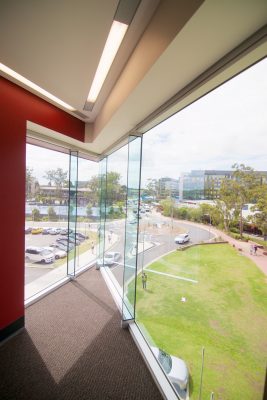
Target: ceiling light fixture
(33, 86)
(115, 37)
(123, 17)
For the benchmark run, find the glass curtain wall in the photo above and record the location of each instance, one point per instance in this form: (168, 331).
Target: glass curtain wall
(46, 218)
(62, 216)
(87, 213)
(120, 215)
(202, 300)
(116, 188)
(72, 241)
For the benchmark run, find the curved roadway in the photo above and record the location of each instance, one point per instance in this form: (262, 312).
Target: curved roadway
(162, 242)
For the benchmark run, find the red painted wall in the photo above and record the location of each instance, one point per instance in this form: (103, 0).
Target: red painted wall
(16, 107)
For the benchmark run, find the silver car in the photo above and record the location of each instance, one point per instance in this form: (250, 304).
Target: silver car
(110, 258)
(175, 368)
(182, 238)
(39, 254)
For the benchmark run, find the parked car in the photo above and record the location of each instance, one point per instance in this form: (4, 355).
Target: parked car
(70, 239)
(110, 258)
(64, 231)
(182, 238)
(77, 237)
(58, 253)
(46, 231)
(175, 368)
(28, 229)
(39, 254)
(63, 246)
(36, 231)
(82, 236)
(54, 231)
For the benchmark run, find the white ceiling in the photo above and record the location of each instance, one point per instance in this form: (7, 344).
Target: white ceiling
(57, 45)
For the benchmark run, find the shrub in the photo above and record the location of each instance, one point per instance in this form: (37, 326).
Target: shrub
(52, 215)
(36, 216)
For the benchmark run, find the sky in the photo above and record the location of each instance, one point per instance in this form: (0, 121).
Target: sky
(226, 126)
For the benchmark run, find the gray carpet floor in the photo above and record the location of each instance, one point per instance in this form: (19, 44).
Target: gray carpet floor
(73, 348)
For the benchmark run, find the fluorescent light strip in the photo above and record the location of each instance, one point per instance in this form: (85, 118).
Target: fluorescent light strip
(115, 37)
(32, 85)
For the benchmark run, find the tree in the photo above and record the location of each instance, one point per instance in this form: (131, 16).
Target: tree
(32, 185)
(152, 188)
(29, 179)
(59, 178)
(94, 186)
(89, 210)
(260, 208)
(235, 193)
(52, 215)
(114, 190)
(36, 216)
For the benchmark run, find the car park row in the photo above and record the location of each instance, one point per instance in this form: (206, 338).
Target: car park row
(48, 253)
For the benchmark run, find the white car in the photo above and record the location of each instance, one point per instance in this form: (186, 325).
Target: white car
(57, 252)
(110, 258)
(174, 367)
(39, 254)
(182, 238)
(54, 231)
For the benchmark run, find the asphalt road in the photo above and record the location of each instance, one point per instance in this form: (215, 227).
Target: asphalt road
(163, 242)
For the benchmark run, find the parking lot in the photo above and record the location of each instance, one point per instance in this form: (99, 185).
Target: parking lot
(50, 240)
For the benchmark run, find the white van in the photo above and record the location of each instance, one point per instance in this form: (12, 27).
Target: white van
(39, 254)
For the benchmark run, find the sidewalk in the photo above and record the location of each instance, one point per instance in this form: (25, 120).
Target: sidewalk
(244, 247)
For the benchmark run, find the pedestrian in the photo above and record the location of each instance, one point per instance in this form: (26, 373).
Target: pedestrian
(255, 249)
(144, 280)
(92, 247)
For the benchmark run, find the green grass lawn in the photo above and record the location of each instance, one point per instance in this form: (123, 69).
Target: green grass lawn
(226, 312)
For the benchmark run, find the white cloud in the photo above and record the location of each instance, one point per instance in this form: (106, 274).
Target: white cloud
(226, 126)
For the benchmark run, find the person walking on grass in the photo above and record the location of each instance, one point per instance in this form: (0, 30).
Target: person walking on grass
(144, 279)
(255, 249)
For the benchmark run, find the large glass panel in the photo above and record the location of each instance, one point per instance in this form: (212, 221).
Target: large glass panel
(132, 245)
(102, 211)
(72, 242)
(116, 183)
(203, 303)
(87, 212)
(46, 213)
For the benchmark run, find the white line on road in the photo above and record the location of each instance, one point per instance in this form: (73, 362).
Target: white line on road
(172, 276)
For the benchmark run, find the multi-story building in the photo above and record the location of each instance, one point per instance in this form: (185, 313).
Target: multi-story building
(205, 184)
(192, 185)
(168, 187)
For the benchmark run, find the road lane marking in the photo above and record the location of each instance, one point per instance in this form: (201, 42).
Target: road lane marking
(172, 276)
